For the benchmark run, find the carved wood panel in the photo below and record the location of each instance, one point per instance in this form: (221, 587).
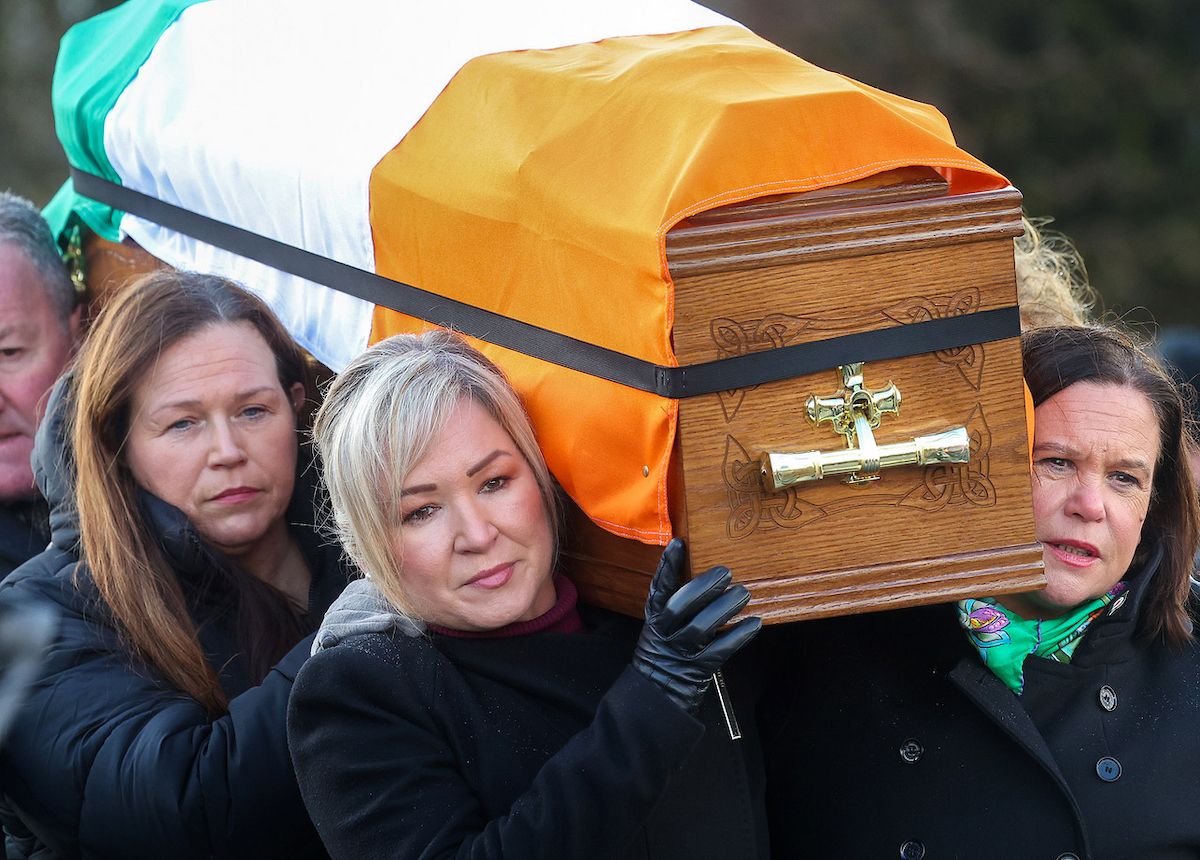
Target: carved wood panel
(778, 272)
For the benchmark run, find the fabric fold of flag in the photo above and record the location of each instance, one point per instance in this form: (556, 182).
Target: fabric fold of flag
(525, 157)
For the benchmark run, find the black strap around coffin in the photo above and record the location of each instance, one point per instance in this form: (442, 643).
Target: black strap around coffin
(691, 380)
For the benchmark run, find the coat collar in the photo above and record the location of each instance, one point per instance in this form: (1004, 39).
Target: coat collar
(989, 694)
(54, 465)
(201, 569)
(1113, 636)
(1001, 706)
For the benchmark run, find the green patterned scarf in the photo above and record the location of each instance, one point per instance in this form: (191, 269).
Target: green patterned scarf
(1004, 640)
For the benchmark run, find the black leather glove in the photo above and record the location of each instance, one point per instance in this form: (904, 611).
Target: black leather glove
(682, 643)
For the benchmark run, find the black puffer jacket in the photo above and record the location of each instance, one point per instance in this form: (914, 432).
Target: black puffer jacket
(24, 533)
(107, 759)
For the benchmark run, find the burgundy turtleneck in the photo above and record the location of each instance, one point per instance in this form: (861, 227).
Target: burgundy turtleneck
(562, 617)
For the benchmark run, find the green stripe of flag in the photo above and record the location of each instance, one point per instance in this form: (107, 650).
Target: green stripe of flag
(96, 61)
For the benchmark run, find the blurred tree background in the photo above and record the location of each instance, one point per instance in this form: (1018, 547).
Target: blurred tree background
(31, 161)
(1090, 107)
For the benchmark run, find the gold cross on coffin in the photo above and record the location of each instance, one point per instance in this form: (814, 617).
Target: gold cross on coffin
(855, 412)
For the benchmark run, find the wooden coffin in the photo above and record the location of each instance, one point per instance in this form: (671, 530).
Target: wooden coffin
(891, 250)
(886, 251)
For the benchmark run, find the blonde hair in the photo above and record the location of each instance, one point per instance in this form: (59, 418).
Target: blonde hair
(379, 418)
(1052, 281)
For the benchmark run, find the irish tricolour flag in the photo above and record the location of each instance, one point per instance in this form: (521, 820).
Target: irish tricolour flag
(524, 156)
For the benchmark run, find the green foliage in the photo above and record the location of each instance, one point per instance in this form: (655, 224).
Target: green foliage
(31, 161)
(1090, 107)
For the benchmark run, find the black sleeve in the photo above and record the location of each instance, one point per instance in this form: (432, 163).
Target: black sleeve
(116, 761)
(19, 843)
(379, 778)
(177, 779)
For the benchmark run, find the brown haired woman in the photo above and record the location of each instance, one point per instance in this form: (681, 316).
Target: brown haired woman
(187, 573)
(1055, 723)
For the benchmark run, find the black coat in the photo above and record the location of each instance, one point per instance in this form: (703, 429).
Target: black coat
(106, 759)
(24, 532)
(889, 738)
(540, 746)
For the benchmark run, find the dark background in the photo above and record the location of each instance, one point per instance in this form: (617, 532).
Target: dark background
(1090, 107)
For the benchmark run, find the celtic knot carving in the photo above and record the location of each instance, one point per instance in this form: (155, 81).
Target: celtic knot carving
(969, 483)
(739, 337)
(734, 338)
(770, 332)
(749, 506)
(967, 360)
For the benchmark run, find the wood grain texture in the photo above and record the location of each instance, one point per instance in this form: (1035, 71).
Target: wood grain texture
(796, 269)
(111, 265)
(899, 215)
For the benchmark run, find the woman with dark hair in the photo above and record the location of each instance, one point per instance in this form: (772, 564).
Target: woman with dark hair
(187, 573)
(1058, 723)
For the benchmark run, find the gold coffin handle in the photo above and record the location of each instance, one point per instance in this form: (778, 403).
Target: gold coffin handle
(781, 470)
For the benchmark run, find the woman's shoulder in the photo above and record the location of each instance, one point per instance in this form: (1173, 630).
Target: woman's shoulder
(88, 654)
(369, 679)
(390, 658)
(54, 576)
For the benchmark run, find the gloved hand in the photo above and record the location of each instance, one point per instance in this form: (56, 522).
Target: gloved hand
(682, 645)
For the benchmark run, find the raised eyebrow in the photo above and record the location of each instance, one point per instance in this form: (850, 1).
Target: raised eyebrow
(499, 452)
(429, 488)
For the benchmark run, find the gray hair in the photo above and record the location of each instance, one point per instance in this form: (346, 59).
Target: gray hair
(22, 225)
(379, 418)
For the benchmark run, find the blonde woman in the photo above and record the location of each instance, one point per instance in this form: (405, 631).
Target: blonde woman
(496, 716)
